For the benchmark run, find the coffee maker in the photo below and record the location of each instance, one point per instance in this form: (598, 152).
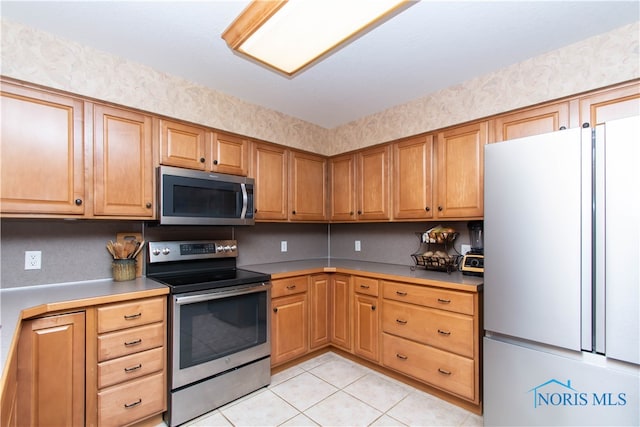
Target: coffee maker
(473, 261)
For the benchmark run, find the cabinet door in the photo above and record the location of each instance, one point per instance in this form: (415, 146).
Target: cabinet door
(373, 183)
(319, 311)
(618, 103)
(536, 121)
(289, 327)
(341, 311)
(460, 174)
(182, 145)
(51, 371)
(366, 327)
(42, 162)
(123, 163)
(230, 154)
(342, 176)
(307, 187)
(413, 173)
(271, 175)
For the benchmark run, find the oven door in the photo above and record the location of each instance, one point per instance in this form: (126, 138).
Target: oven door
(214, 331)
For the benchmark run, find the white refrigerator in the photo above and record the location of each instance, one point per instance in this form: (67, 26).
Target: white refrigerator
(562, 278)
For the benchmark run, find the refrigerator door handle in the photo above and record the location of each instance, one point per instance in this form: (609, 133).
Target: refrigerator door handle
(587, 189)
(599, 266)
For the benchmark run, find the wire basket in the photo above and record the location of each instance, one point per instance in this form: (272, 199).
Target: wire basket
(437, 263)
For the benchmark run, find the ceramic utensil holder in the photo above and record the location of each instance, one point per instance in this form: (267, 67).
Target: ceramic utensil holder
(124, 269)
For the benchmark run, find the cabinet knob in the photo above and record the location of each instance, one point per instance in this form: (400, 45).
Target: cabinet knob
(351, 213)
(359, 212)
(563, 128)
(373, 308)
(78, 202)
(585, 125)
(275, 309)
(440, 208)
(215, 162)
(293, 212)
(202, 160)
(148, 205)
(427, 208)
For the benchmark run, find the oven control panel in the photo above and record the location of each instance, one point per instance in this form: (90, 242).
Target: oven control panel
(181, 251)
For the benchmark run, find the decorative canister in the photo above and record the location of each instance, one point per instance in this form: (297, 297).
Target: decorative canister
(124, 269)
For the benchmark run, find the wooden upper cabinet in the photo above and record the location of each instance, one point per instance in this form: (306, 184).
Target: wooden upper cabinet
(460, 176)
(182, 145)
(342, 176)
(613, 104)
(413, 176)
(42, 153)
(195, 147)
(230, 154)
(307, 187)
(123, 163)
(270, 171)
(535, 121)
(373, 183)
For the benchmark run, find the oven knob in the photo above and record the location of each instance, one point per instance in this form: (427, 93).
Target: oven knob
(219, 248)
(166, 251)
(227, 248)
(234, 248)
(155, 251)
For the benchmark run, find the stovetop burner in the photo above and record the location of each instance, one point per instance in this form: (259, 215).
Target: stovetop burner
(197, 266)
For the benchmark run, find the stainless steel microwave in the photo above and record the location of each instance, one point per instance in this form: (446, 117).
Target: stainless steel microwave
(190, 197)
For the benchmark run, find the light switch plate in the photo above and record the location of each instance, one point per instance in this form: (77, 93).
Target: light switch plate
(358, 246)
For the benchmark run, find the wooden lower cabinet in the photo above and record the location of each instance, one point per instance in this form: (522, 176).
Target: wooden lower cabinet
(51, 369)
(289, 325)
(129, 362)
(319, 298)
(366, 323)
(341, 311)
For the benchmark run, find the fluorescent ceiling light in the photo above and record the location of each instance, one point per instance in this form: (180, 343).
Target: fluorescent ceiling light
(290, 35)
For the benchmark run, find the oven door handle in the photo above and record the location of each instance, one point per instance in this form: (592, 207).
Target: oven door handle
(245, 201)
(190, 299)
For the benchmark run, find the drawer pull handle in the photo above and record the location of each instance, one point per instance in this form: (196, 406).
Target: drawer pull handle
(401, 356)
(132, 316)
(131, 405)
(444, 372)
(133, 368)
(134, 342)
(444, 301)
(401, 322)
(402, 294)
(364, 286)
(291, 287)
(441, 332)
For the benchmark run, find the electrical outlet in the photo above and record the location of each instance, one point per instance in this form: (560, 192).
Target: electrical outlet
(358, 246)
(464, 249)
(32, 260)
(283, 246)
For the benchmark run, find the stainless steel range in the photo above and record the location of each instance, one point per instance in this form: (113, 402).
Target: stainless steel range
(219, 327)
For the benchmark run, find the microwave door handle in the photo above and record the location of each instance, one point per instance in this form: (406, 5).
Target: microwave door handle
(245, 201)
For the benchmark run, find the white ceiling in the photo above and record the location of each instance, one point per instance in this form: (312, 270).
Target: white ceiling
(427, 47)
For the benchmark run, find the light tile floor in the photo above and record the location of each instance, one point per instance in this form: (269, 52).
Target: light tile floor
(330, 390)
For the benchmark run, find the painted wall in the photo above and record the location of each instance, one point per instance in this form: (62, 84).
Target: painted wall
(42, 58)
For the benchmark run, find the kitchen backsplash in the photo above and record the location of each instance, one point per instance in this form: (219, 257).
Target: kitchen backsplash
(75, 250)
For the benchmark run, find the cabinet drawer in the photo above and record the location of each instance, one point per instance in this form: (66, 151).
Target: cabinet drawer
(129, 314)
(445, 330)
(130, 367)
(131, 401)
(129, 341)
(460, 302)
(366, 285)
(439, 368)
(289, 286)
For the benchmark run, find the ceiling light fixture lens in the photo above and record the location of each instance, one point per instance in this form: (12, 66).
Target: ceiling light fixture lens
(290, 35)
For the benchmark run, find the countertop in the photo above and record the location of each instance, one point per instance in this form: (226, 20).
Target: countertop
(453, 280)
(32, 301)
